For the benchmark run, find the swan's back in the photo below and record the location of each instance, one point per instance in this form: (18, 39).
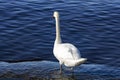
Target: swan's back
(66, 51)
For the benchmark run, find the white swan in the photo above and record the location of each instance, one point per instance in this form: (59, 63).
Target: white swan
(66, 53)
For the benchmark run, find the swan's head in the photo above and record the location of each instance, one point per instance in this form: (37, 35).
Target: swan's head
(56, 14)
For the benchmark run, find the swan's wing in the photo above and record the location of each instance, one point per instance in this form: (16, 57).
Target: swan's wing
(69, 51)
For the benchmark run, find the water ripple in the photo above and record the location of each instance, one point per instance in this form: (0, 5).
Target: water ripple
(27, 29)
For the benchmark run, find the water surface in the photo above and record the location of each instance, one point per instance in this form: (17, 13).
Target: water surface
(27, 29)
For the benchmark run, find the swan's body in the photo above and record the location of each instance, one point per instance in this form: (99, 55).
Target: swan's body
(66, 53)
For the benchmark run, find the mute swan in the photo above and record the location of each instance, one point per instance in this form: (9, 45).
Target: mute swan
(66, 53)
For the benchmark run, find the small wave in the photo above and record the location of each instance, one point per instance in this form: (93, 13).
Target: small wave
(48, 69)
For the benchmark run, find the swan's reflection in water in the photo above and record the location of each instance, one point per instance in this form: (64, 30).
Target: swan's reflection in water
(55, 75)
(71, 75)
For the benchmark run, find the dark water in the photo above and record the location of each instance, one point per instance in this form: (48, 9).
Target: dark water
(47, 70)
(27, 29)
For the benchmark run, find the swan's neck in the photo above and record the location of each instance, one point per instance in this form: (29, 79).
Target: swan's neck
(58, 37)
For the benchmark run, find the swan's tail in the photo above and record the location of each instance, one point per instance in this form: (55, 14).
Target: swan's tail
(72, 63)
(80, 61)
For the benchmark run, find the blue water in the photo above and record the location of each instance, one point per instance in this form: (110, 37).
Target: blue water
(27, 29)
